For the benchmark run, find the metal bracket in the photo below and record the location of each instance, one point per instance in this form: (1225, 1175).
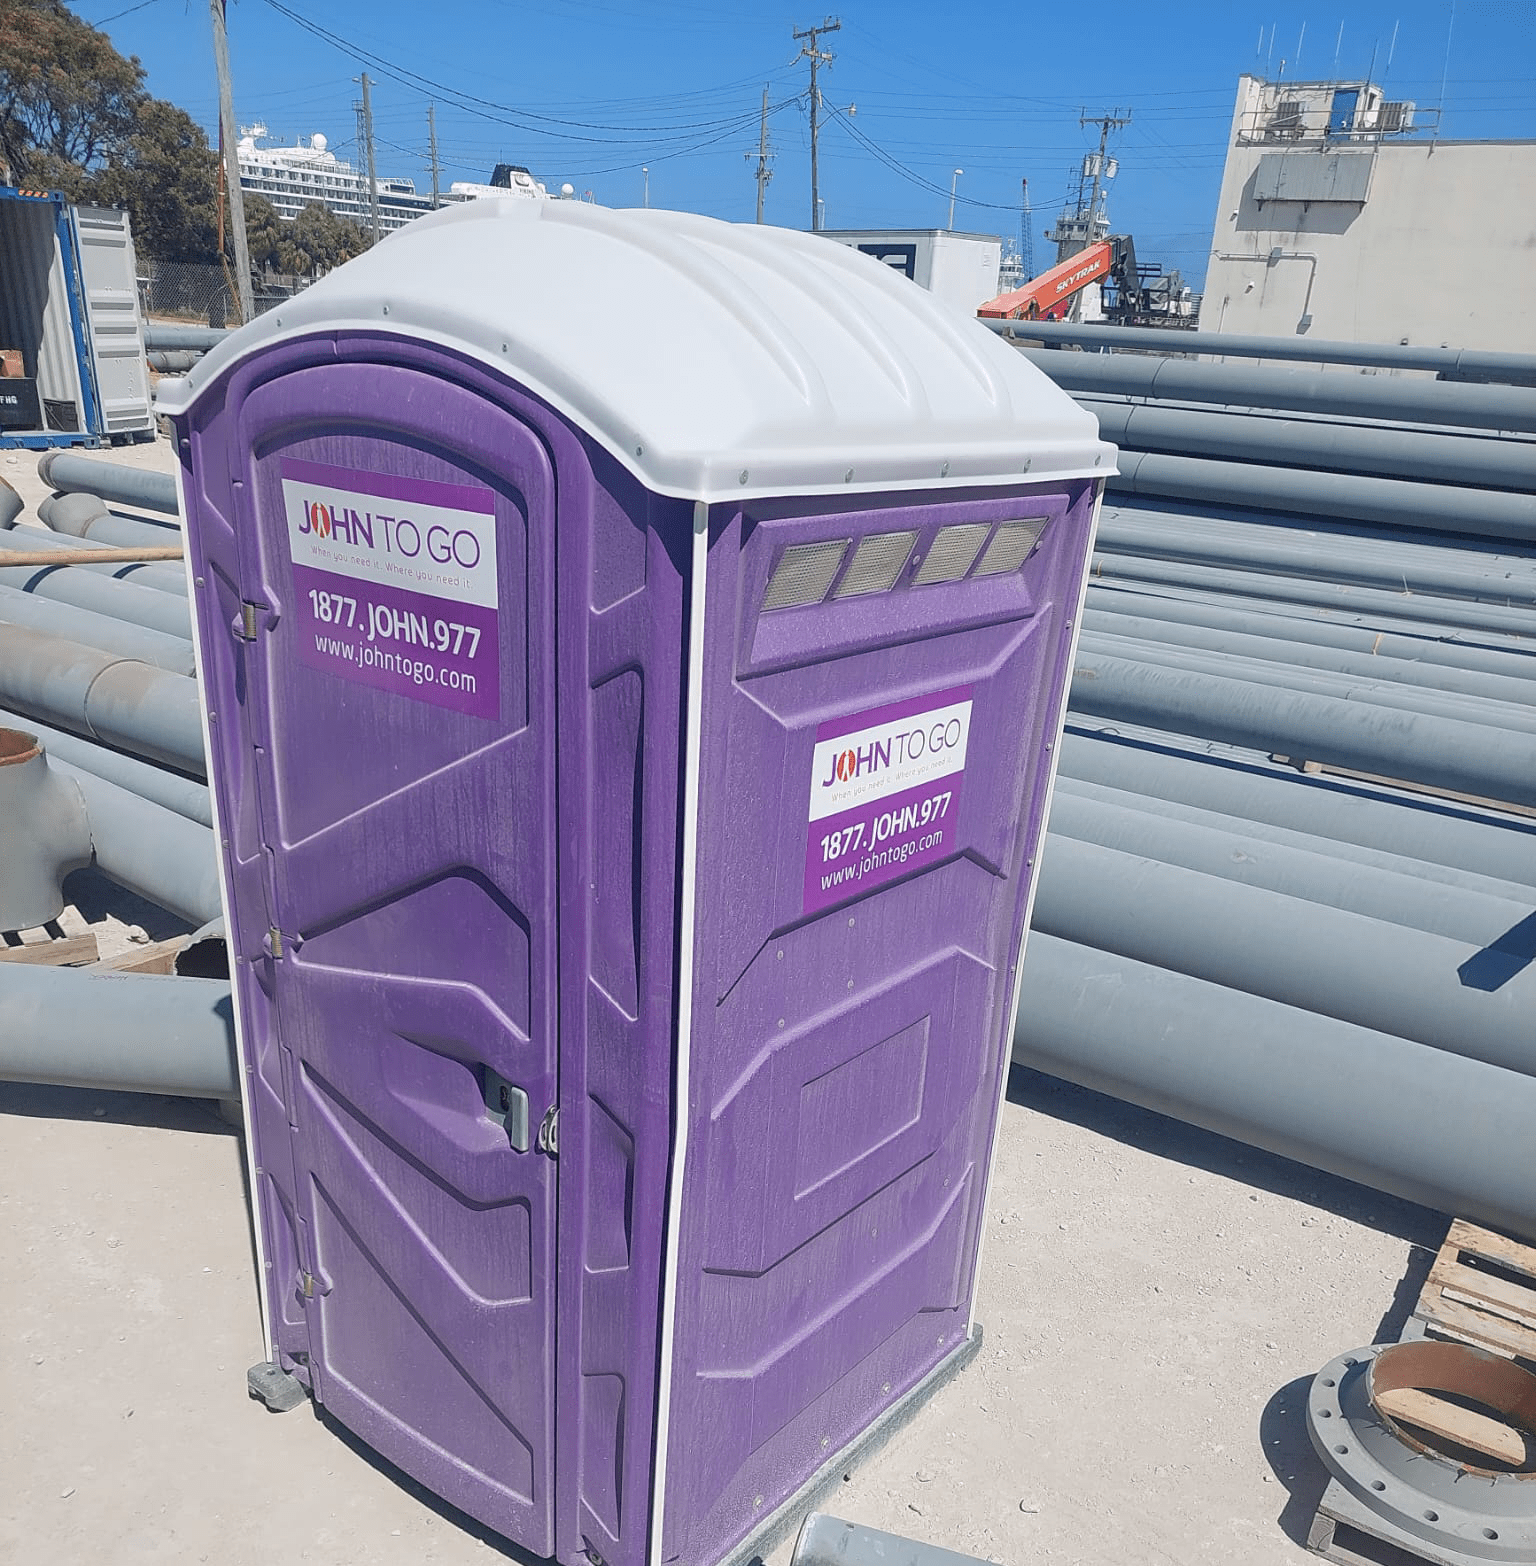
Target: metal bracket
(549, 1132)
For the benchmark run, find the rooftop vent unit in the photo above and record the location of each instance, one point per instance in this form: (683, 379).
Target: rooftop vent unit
(1286, 125)
(1395, 117)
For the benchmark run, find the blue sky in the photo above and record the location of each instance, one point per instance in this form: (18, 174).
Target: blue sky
(589, 91)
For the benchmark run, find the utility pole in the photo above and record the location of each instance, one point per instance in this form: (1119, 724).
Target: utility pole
(432, 144)
(365, 130)
(247, 299)
(1106, 123)
(764, 158)
(817, 57)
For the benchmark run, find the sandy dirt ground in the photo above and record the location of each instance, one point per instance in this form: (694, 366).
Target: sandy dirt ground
(1154, 1301)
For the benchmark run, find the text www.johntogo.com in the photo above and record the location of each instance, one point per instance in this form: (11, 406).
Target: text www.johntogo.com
(846, 875)
(417, 670)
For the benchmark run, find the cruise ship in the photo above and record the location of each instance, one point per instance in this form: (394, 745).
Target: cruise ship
(291, 178)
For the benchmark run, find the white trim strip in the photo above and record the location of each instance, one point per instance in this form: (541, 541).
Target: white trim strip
(1029, 904)
(686, 916)
(237, 977)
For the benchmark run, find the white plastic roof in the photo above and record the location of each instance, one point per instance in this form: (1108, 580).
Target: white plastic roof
(713, 359)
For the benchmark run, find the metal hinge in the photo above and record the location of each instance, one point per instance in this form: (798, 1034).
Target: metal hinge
(549, 1132)
(276, 943)
(307, 1285)
(249, 625)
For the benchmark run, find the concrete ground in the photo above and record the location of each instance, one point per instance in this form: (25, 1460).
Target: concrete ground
(1154, 1298)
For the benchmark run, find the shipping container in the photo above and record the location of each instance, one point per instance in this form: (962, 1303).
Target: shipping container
(70, 323)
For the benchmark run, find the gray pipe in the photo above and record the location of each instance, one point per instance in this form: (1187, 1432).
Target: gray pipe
(1345, 813)
(1278, 673)
(183, 795)
(72, 513)
(1321, 552)
(88, 516)
(1428, 650)
(829, 1541)
(1309, 391)
(119, 600)
(136, 1033)
(150, 850)
(1312, 875)
(1459, 364)
(173, 361)
(1213, 823)
(96, 630)
(1399, 607)
(1477, 462)
(11, 505)
(132, 705)
(162, 575)
(65, 470)
(43, 832)
(159, 336)
(1419, 672)
(1441, 508)
(1446, 753)
(1424, 1124)
(1452, 995)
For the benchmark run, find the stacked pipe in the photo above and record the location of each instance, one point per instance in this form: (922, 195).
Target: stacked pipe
(101, 762)
(1332, 955)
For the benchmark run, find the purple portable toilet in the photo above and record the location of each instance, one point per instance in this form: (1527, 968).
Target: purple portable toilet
(634, 648)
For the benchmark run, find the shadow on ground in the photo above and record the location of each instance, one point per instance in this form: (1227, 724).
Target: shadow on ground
(1201, 1149)
(133, 1109)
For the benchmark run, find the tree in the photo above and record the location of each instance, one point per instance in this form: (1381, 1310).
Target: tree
(75, 117)
(317, 240)
(68, 99)
(264, 231)
(168, 180)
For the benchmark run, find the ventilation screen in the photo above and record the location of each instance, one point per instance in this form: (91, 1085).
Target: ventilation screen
(951, 553)
(1011, 546)
(877, 562)
(804, 573)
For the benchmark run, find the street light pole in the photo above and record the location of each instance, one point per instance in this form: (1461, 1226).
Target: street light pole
(954, 179)
(647, 198)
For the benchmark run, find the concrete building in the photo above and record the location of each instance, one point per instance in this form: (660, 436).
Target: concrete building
(1343, 216)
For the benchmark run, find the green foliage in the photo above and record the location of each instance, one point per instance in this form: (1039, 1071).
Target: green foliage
(68, 100)
(74, 117)
(317, 240)
(264, 231)
(168, 180)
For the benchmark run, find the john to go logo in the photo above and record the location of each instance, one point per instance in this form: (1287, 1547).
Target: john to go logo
(317, 519)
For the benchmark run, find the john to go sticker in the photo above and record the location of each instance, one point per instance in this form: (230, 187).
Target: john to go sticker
(884, 795)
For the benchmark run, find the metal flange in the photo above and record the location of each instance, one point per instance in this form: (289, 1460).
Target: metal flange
(1439, 1495)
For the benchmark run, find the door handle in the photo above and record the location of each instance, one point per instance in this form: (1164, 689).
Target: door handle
(507, 1105)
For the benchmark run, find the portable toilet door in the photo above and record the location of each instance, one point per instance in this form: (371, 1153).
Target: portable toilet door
(375, 591)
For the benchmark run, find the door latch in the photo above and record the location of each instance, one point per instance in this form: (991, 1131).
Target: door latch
(507, 1105)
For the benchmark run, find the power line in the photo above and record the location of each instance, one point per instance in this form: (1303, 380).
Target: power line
(519, 119)
(910, 174)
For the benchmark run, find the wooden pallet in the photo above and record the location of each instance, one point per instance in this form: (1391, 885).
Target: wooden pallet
(1482, 1290)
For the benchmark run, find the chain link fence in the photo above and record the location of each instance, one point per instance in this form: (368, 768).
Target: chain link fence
(194, 291)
